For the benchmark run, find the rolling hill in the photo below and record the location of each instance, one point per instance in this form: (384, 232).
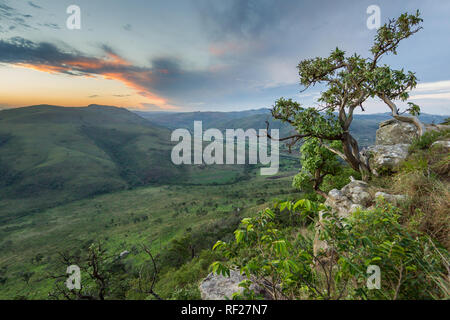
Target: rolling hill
(51, 155)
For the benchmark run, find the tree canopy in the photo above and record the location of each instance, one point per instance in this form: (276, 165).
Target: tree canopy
(350, 81)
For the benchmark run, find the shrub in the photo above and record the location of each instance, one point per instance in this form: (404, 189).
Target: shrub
(427, 139)
(282, 262)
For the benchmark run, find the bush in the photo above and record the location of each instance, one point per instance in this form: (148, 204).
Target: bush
(427, 139)
(274, 256)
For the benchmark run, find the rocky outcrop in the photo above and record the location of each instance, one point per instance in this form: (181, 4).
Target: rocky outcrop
(353, 195)
(392, 143)
(442, 144)
(392, 132)
(437, 127)
(218, 287)
(344, 202)
(386, 158)
(393, 139)
(394, 199)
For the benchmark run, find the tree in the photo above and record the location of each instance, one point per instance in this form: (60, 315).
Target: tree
(106, 276)
(350, 81)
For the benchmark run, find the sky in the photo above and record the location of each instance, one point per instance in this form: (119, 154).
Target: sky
(202, 55)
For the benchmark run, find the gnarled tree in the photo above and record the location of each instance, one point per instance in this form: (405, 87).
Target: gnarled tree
(350, 81)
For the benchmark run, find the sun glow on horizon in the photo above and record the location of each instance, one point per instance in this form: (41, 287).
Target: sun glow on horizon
(47, 85)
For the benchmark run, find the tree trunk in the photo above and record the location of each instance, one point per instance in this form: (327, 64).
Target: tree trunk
(353, 156)
(403, 118)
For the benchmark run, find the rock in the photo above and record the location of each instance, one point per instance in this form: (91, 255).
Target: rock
(394, 199)
(386, 157)
(218, 287)
(442, 144)
(123, 254)
(437, 127)
(393, 132)
(352, 197)
(356, 191)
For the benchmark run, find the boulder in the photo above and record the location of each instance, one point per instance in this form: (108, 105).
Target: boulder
(442, 144)
(394, 199)
(392, 132)
(354, 196)
(386, 157)
(124, 254)
(350, 197)
(218, 287)
(437, 127)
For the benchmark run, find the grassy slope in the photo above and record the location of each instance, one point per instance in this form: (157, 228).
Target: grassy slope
(125, 219)
(51, 155)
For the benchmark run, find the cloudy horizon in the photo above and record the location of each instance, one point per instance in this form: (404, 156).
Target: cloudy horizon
(202, 55)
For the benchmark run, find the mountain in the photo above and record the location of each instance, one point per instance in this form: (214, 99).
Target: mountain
(364, 126)
(51, 155)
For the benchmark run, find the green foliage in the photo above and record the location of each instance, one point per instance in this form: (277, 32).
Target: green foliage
(427, 139)
(411, 264)
(339, 180)
(281, 261)
(182, 283)
(317, 162)
(120, 217)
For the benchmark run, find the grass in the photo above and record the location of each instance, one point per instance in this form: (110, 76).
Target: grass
(425, 178)
(123, 220)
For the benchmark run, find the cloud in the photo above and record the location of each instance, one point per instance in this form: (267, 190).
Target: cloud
(165, 83)
(432, 97)
(127, 27)
(50, 25)
(10, 17)
(439, 90)
(46, 57)
(34, 5)
(239, 18)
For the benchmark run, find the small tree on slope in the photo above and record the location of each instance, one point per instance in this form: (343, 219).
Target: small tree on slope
(350, 81)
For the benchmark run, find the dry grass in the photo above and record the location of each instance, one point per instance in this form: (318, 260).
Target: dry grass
(424, 178)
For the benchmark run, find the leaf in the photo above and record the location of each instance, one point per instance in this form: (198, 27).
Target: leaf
(219, 244)
(239, 234)
(280, 247)
(299, 203)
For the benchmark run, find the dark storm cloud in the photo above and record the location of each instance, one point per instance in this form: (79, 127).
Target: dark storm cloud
(19, 50)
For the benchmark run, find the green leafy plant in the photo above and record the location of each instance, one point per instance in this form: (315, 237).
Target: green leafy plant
(277, 259)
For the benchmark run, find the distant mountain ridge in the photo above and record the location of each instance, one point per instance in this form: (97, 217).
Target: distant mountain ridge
(363, 127)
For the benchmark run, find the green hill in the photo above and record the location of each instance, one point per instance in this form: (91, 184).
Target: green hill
(50, 155)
